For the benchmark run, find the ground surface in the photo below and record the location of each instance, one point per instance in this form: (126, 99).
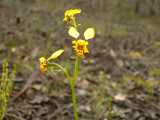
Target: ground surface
(119, 79)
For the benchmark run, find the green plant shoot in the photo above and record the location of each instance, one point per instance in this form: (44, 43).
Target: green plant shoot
(5, 88)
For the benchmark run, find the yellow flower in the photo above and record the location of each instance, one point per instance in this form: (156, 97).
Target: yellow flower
(69, 15)
(43, 62)
(80, 47)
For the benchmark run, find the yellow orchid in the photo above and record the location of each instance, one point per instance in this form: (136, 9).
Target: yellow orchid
(69, 15)
(43, 62)
(80, 45)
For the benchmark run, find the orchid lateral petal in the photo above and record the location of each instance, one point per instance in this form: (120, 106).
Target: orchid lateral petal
(56, 54)
(89, 33)
(73, 32)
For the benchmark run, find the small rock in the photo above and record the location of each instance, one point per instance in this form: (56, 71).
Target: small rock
(120, 97)
(81, 92)
(85, 108)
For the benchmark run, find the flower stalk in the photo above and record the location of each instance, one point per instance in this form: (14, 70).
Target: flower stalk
(72, 79)
(72, 85)
(80, 47)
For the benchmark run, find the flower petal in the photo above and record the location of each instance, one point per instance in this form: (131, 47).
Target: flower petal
(89, 33)
(73, 32)
(56, 54)
(72, 12)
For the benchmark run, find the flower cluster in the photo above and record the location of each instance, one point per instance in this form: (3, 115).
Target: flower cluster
(80, 46)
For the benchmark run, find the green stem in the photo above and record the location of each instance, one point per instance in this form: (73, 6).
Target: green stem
(62, 68)
(74, 23)
(75, 76)
(76, 69)
(74, 99)
(72, 83)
